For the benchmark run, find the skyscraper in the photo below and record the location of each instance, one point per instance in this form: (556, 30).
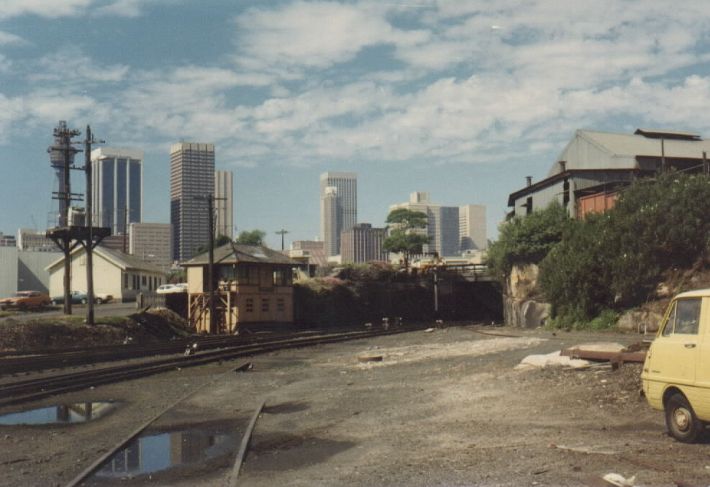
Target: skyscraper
(191, 177)
(362, 243)
(338, 210)
(472, 227)
(224, 203)
(117, 181)
(442, 223)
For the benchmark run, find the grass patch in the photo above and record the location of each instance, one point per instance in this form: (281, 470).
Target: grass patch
(605, 321)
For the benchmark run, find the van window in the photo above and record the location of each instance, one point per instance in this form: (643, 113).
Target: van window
(683, 318)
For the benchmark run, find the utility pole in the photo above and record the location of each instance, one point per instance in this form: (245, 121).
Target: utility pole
(210, 259)
(62, 159)
(282, 232)
(89, 245)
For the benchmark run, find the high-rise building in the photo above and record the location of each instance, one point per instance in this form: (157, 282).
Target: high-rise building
(338, 211)
(472, 227)
(442, 223)
(151, 242)
(191, 178)
(117, 188)
(362, 243)
(224, 203)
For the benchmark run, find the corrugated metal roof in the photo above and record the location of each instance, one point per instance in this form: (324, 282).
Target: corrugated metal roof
(591, 149)
(123, 261)
(236, 253)
(638, 145)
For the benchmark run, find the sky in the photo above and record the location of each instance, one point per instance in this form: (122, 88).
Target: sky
(462, 99)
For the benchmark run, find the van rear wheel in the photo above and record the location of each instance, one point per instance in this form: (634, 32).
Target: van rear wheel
(681, 421)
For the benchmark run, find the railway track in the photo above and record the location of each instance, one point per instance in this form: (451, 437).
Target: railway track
(17, 362)
(24, 390)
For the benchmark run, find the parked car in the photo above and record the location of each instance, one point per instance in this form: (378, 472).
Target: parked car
(25, 300)
(676, 373)
(80, 297)
(180, 287)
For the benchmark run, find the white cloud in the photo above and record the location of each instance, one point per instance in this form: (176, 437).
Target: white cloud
(7, 38)
(71, 66)
(315, 34)
(457, 91)
(43, 8)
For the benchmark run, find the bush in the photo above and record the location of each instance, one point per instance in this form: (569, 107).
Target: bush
(527, 240)
(615, 260)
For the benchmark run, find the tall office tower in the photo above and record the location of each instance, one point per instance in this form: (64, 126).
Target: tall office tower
(191, 177)
(362, 243)
(117, 193)
(442, 223)
(338, 209)
(472, 227)
(224, 203)
(152, 242)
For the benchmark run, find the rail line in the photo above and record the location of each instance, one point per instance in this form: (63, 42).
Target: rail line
(28, 362)
(24, 390)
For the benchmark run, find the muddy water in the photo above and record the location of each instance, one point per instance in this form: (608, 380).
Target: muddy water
(158, 455)
(60, 414)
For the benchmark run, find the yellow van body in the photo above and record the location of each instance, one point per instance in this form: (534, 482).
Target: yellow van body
(677, 365)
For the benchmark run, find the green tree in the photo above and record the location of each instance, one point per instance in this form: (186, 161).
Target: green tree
(614, 261)
(251, 237)
(403, 237)
(527, 240)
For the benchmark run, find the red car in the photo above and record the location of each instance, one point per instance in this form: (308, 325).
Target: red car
(26, 300)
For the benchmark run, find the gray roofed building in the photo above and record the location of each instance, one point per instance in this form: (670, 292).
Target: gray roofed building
(594, 165)
(237, 253)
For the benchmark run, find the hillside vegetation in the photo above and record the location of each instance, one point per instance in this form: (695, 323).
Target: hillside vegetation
(614, 261)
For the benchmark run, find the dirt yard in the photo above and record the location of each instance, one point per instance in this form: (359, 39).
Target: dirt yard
(445, 408)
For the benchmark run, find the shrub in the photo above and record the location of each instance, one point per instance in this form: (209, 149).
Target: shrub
(527, 240)
(615, 260)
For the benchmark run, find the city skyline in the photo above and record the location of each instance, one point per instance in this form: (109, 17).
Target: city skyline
(462, 98)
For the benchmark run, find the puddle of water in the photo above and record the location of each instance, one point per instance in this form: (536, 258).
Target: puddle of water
(80, 412)
(158, 452)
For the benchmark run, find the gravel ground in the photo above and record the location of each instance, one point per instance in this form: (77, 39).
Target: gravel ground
(441, 409)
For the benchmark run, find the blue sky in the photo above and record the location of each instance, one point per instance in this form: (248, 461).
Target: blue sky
(459, 98)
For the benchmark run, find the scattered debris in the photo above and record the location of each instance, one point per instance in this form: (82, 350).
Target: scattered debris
(440, 323)
(619, 480)
(370, 358)
(429, 330)
(191, 349)
(612, 352)
(554, 359)
(385, 323)
(590, 450)
(245, 367)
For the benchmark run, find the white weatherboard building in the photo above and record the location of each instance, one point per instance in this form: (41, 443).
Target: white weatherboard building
(338, 207)
(120, 275)
(117, 188)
